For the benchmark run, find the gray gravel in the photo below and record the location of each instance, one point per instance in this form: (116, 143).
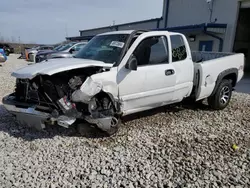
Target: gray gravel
(176, 146)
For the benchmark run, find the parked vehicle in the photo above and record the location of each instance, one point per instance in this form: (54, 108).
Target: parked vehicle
(67, 52)
(42, 55)
(3, 56)
(7, 48)
(64, 51)
(121, 73)
(30, 53)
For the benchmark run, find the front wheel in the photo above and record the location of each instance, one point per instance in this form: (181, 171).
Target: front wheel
(221, 98)
(90, 130)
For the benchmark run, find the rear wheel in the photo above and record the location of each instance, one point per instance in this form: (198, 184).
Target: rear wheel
(221, 98)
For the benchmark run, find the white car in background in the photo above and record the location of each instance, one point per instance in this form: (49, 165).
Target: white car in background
(69, 52)
(31, 53)
(63, 51)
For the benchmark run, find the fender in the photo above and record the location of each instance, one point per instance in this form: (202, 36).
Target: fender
(116, 102)
(222, 75)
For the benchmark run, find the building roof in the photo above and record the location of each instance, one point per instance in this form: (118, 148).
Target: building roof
(180, 29)
(194, 27)
(80, 38)
(125, 24)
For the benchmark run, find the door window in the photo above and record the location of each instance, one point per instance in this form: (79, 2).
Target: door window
(179, 51)
(151, 51)
(43, 48)
(78, 47)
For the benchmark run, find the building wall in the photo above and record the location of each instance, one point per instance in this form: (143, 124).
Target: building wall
(201, 37)
(188, 12)
(183, 12)
(144, 26)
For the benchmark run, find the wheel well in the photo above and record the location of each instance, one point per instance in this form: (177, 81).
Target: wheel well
(30, 54)
(231, 76)
(103, 94)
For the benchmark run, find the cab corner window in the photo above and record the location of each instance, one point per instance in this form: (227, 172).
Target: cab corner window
(151, 51)
(179, 51)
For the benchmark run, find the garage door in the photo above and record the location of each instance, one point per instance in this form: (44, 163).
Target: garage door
(245, 4)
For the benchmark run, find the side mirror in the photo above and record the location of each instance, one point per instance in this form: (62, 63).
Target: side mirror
(132, 63)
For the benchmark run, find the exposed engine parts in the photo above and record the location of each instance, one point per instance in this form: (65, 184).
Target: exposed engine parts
(70, 96)
(86, 91)
(75, 82)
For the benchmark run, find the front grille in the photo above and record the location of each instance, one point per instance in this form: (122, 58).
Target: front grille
(25, 92)
(22, 87)
(33, 95)
(29, 91)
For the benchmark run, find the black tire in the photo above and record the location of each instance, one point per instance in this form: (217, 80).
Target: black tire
(222, 96)
(89, 130)
(114, 129)
(86, 130)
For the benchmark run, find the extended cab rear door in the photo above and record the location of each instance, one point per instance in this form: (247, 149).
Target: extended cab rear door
(153, 83)
(181, 60)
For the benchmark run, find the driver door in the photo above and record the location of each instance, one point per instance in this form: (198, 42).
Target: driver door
(153, 83)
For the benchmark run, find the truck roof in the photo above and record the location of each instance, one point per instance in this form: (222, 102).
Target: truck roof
(130, 31)
(118, 32)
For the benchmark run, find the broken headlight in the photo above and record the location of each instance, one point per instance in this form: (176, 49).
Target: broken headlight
(92, 104)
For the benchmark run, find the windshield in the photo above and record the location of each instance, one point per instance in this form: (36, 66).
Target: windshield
(36, 47)
(106, 48)
(58, 47)
(66, 46)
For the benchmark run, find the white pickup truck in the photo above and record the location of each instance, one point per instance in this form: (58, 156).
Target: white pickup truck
(120, 73)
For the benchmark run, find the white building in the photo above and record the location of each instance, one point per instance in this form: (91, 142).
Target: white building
(210, 25)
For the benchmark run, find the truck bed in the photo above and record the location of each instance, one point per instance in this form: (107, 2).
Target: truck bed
(199, 56)
(209, 65)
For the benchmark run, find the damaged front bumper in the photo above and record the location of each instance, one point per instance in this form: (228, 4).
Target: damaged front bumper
(31, 116)
(28, 115)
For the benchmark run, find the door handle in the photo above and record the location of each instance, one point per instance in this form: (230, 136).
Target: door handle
(169, 72)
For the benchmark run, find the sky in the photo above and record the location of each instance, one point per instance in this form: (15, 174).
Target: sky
(48, 21)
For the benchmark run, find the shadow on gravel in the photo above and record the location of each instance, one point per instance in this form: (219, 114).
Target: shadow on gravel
(9, 126)
(174, 108)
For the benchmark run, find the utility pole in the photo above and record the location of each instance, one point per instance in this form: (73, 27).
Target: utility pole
(19, 41)
(66, 30)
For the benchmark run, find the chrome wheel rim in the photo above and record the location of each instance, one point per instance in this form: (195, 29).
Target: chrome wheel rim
(225, 93)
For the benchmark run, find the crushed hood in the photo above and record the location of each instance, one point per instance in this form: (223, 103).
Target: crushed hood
(54, 66)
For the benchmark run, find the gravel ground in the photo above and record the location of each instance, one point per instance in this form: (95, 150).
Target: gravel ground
(177, 146)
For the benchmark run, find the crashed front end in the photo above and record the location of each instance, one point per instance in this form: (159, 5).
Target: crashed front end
(62, 99)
